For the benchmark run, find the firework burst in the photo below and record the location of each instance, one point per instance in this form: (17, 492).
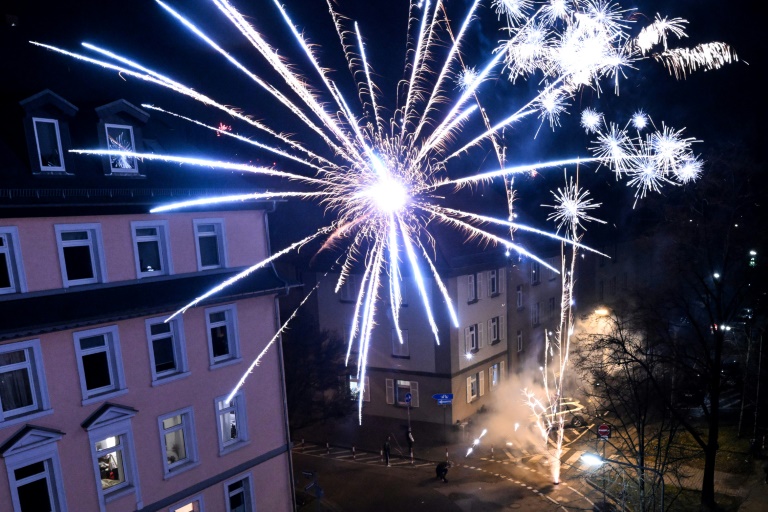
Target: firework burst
(385, 179)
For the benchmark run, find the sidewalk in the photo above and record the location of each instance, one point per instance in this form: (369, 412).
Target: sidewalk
(756, 496)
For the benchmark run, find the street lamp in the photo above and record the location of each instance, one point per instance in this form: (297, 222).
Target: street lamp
(592, 459)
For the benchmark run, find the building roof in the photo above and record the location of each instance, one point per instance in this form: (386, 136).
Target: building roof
(76, 307)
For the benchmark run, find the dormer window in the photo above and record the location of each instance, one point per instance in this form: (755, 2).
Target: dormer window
(48, 143)
(120, 138)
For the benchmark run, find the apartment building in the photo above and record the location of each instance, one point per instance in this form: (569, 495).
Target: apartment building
(105, 403)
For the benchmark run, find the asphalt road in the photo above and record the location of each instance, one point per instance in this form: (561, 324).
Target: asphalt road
(474, 485)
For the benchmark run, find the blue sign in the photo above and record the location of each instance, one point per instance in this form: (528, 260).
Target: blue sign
(444, 402)
(443, 396)
(407, 398)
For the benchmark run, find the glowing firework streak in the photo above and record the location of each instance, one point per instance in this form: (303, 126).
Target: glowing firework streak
(379, 177)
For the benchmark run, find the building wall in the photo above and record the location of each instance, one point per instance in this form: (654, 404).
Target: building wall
(264, 455)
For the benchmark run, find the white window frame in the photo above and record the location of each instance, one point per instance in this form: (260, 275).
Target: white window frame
(218, 233)
(134, 167)
(122, 431)
(493, 283)
(176, 333)
(38, 386)
(187, 428)
(190, 502)
(401, 350)
(114, 361)
(48, 168)
(496, 330)
(354, 391)
(472, 388)
(471, 288)
(413, 389)
(163, 247)
(535, 314)
(14, 263)
(247, 489)
(47, 452)
(494, 376)
(236, 406)
(230, 321)
(535, 272)
(96, 246)
(519, 340)
(519, 296)
(474, 338)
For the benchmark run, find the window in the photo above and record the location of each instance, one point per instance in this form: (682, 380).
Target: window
(552, 308)
(519, 340)
(120, 138)
(475, 384)
(193, 505)
(535, 272)
(177, 435)
(519, 296)
(210, 243)
(167, 352)
(34, 471)
(471, 288)
(222, 334)
(496, 330)
(354, 389)
(239, 495)
(535, 309)
(80, 254)
(11, 265)
(494, 375)
(473, 338)
(100, 363)
(552, 274)
(403, 294)
(231, 422)
(400, 343)
(397, 391)
(348, 291)
(113, 452)
(23, 390)
(150, 248)
(48, 141)
(493, 283)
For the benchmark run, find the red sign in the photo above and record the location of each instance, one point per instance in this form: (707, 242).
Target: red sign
(604, 431)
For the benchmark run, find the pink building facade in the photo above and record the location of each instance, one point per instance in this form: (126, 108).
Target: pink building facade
(105, 405)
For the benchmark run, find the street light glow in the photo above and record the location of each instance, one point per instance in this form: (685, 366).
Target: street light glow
(591, 459)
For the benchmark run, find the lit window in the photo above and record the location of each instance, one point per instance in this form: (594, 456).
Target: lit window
(475, 384)
(222, 334)
(210, 243)
(354, 389)
(48, 141)
(11, 265)
(80, 254)
(193, 505)
(167, 352)
(494, 374)
(113, 452)
(400, 349)
(150, 248)
(23, 390)
(535, 272)
(403, 388)
(120, 138)
(100, 363)
(239, 495)
(177, 433)
(231, 422)
(34, 471)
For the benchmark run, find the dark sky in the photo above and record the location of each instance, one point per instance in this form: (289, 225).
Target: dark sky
(721, 107)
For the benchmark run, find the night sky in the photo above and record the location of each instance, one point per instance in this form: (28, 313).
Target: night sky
(722, 108)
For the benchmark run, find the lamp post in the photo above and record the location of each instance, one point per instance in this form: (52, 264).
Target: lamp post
(596, 460)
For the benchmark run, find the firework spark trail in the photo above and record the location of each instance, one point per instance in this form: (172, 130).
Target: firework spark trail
(380, 176)
(254, 196)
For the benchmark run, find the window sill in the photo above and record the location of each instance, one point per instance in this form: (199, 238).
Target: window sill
(227, 362)
(234, 447)
(180, 469)
(24, 418)
(112, 495)
(170, 378)
(495, 294)
(521, 308)
(400, 357)
(495, 342)
(56, 174)
(473, 301)
(104, 396)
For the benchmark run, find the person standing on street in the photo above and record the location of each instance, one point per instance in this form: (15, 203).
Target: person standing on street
(387, 450)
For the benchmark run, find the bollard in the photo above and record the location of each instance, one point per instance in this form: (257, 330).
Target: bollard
(411, 455)
(327, 448)
(446, 454)
(381, 455)
(491, 451)
(302, 442)
(353, 452)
